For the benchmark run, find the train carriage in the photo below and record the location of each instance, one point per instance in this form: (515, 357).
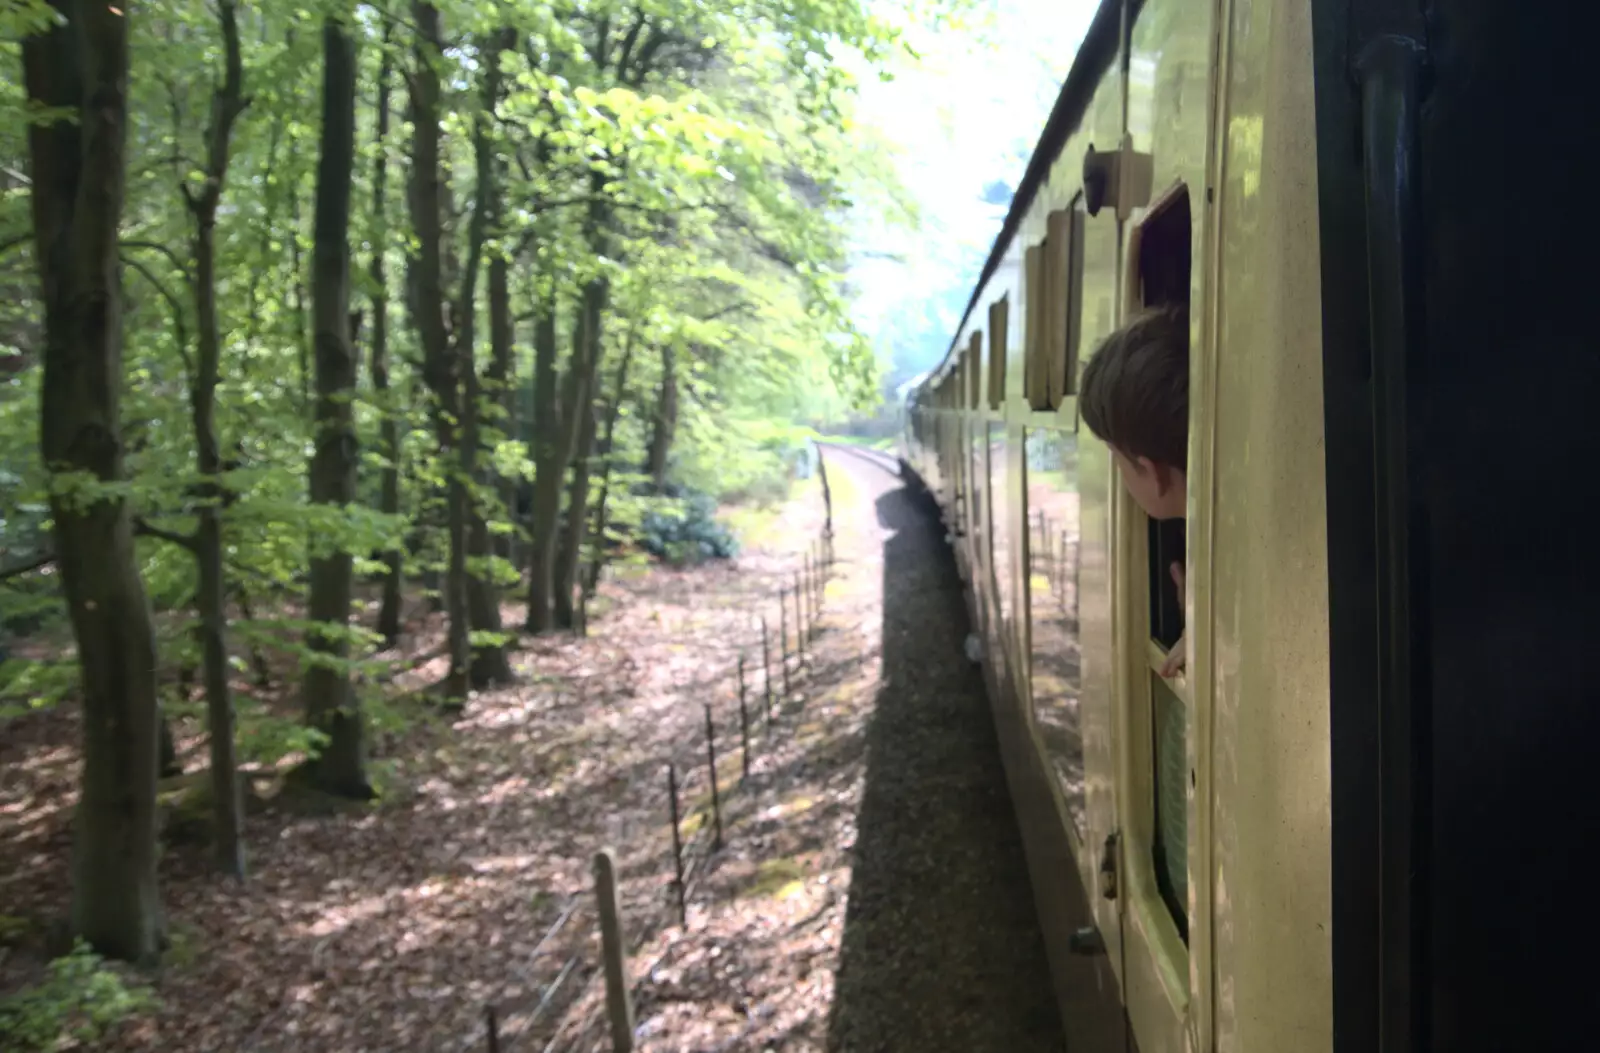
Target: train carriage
(1275, 851)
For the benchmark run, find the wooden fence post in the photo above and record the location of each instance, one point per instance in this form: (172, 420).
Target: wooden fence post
(811, 591)
(493, 1027)
(1061, 571)
(827, 492)
(744, 721)
(766, 671)
(677, 846)
(783, 638)
(799, 619)
(711, 759)
(619, 1003)
(819, 578)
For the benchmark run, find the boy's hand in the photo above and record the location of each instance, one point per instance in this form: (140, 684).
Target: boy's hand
(1177, 656)
(1175, 659)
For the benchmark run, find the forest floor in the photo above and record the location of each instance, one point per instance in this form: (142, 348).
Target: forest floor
(869, 894)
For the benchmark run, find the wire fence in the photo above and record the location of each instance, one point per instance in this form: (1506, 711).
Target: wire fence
(700, 780)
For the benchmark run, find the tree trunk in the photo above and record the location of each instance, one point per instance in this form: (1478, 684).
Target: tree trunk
(441, 356)
(502, 378)
(169, 763)
(78, 176)
(557, 435)
(212, 591)
(588, 344)
(666, 420)
(607, 449)
(331, 704)
(489, 662)
(389, 429)
(297, 268)
(573, 527)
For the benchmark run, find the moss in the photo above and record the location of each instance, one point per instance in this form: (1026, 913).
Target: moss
(14, 930)
(778, 878)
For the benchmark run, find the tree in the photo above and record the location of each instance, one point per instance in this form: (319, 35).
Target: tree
(76, 71)
(227, 103)
(389, 441)
(331, 705)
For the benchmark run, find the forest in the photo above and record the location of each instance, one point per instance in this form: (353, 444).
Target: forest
(319, 314)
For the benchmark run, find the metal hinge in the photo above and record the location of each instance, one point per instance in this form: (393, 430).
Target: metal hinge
(1121, 179)
(1108, 866)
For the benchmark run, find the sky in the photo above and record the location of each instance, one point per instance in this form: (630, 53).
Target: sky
(959, 125)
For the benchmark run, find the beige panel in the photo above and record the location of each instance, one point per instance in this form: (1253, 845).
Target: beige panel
(1167, 985)
(1101, 256)
(1269, 572)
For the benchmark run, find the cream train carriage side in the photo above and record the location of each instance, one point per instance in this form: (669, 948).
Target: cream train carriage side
(1354, 824)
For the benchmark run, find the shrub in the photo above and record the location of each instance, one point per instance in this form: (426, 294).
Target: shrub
(684, 531)
(79, 1000)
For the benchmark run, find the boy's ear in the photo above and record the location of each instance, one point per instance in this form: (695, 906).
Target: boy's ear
(1164, 473)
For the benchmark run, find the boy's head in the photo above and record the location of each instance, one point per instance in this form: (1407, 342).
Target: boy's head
(1135, 397)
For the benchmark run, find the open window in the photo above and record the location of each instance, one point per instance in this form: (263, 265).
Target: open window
(997, 352)
(1161, 261)
(1053, 279)
(975, 372)
(1063, 277)
(1036, 366)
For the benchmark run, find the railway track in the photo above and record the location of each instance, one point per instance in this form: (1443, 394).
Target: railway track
(878, 458)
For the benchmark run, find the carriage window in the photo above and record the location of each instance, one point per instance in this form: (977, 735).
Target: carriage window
(1050, 489)
(1163, 255)
(997, 353)
(975, 371)
(1063, 282)
(1036, 369)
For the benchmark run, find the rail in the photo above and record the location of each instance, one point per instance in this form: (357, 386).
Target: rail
(877, 458)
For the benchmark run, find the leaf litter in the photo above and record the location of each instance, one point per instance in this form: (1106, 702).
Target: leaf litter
(468, 885)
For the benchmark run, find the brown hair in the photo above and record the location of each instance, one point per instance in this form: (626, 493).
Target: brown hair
(1135, 390)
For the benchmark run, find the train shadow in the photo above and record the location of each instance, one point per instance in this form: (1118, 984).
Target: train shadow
(941, 947)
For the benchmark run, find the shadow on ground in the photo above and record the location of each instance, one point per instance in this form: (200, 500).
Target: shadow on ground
(941, 947)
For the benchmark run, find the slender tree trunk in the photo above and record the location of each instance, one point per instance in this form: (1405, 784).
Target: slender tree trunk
(211, 598)
(331, 704)
(576, 519)
(78, 175)
(607, 451)
(571, 554)
(258, 660)
(502, 373)
(389, 609)
(501, 377)
(666, 419)
(298, 288)
(170, 765)
(556, 436)
(440, 359)
(489, 662)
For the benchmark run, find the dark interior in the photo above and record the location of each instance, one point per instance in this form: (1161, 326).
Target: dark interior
(1164, 261)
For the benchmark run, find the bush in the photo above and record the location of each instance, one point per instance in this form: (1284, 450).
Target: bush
(78, 1001)
(684, 530)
